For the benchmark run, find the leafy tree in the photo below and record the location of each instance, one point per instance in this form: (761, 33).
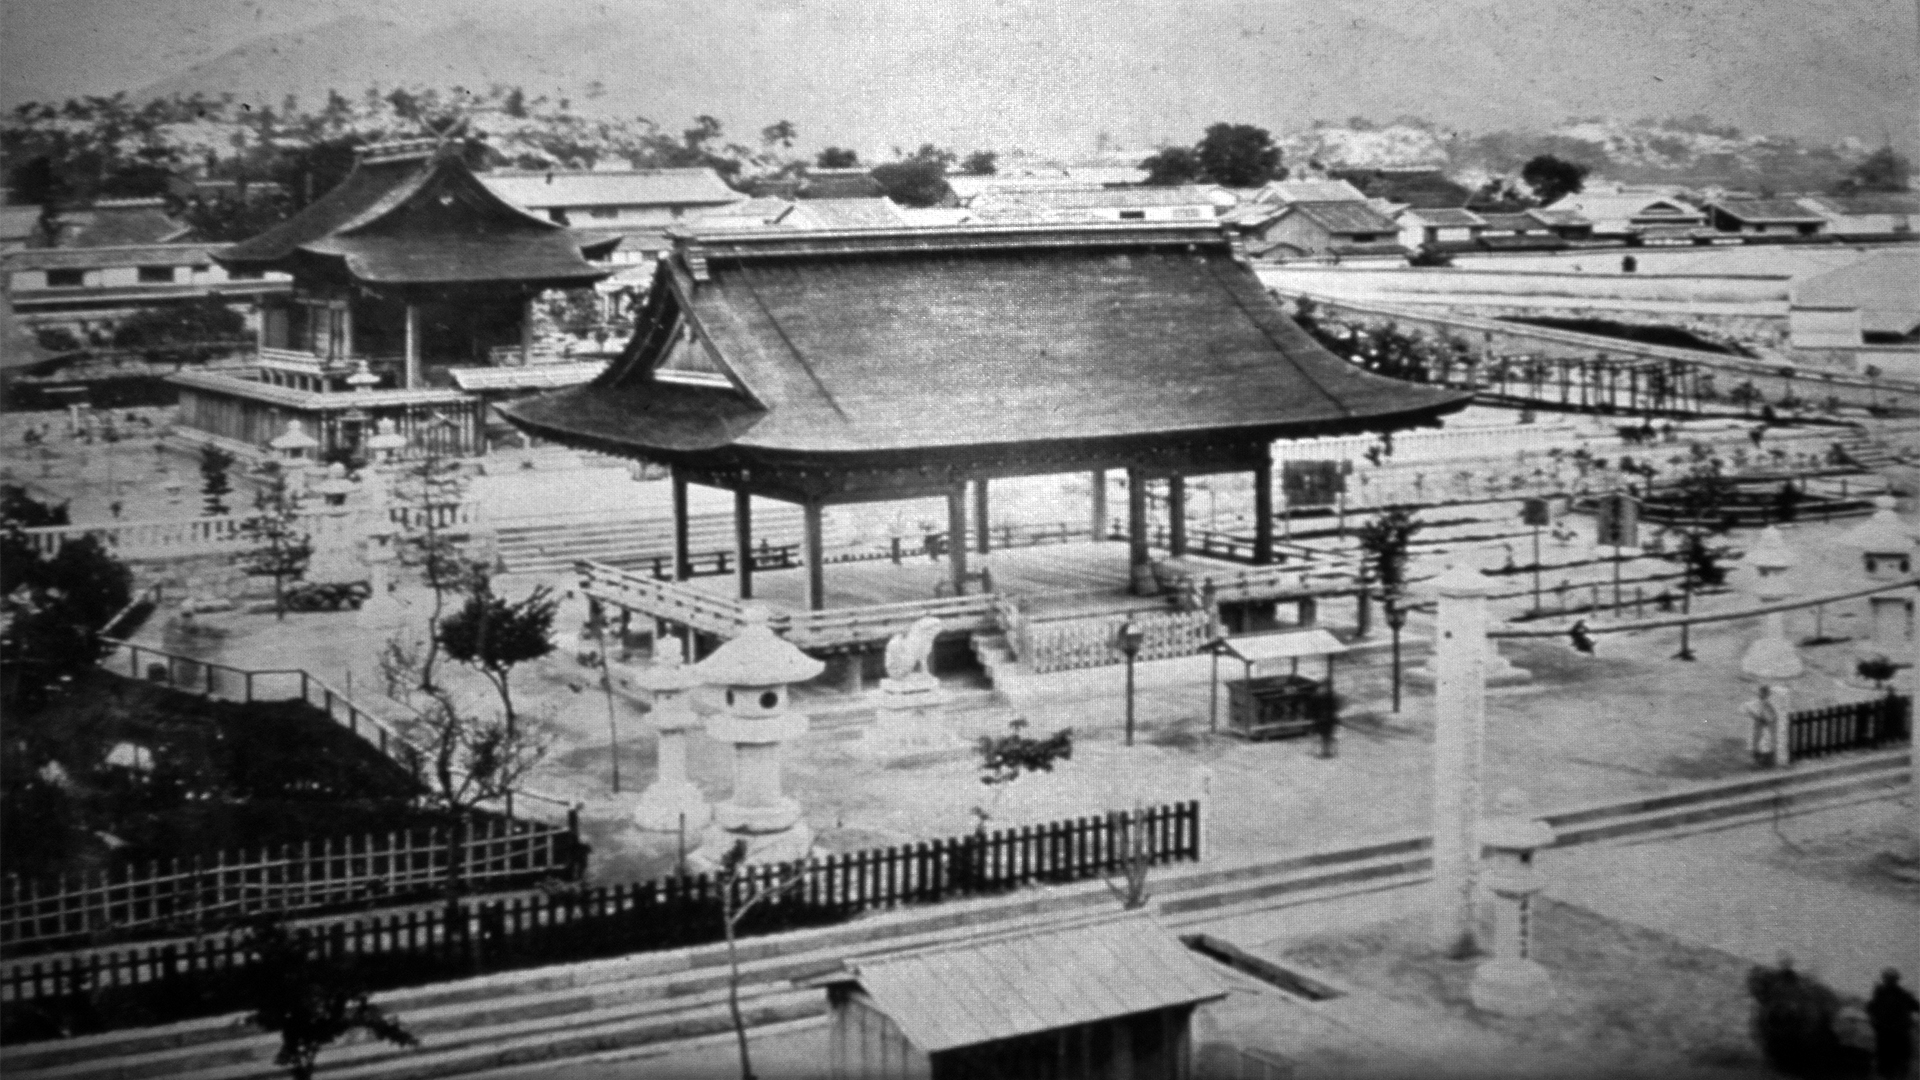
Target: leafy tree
(1173, 165)
(780, 133)
(309, 999)
(52, 607)
(1886, 169)
(981, 163)
(1239, 155)
(1553, 178)
(493, 635)
(280, 549)
(215, 484)
(1384, 542)
(836, 157)
(229, 218)
(195, 330)
(914, 181)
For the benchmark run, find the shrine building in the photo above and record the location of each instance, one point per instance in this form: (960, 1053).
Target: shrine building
(411, 279)
(857, 366)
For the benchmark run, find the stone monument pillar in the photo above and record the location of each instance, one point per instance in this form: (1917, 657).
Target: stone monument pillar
(1459, 730)
(1772, 659)
(753, 673)
(671, 802)
(1512, 983)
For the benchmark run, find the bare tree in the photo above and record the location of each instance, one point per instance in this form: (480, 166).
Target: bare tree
(280, 549)
(1136, 857)
(429, 489)
(733, 909)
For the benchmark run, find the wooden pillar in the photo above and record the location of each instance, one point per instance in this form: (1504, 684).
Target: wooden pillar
(682, 548)
(1176, 515)
(743, 541)
(346, 330)
(413, 346)
(526, 331)
(957, 534)
(1263, 508)
(1139, 567)
(982, 542)
(1099, 505)
(816, 558)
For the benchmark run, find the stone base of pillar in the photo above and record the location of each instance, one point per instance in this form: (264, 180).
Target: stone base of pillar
(904, 721)
(1511, 987)
(662, 805)
(781, 814)
(788, 845)
(1144, 583)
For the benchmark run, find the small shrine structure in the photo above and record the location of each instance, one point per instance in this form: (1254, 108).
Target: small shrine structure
(866, 365)
(408, 274)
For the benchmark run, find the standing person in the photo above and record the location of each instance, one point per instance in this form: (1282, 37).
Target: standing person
(1890, 1011)
(1766, 725)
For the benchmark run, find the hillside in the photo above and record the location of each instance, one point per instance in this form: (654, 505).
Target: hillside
(1020, 73)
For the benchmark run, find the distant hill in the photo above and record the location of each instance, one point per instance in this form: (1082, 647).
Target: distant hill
(1026, 73)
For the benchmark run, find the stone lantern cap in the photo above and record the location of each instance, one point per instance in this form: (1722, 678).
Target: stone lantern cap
(758, 657)
(387, 436)
(336, 482)
(1771, 552)
(1513, 827)
(1458, 580)
(362, 379)
(294, 438)
(1880, 534)
(1772, 659)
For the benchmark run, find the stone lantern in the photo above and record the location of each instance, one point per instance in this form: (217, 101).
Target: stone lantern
(363, 380)
(1885, 548)
(386, 442)
(1512, 983)
(293, 444)
(671, 802)
(752, 673)
(1773, 660)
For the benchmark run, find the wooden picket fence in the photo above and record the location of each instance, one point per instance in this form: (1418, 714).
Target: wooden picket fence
(175, 980)
(1862, 725)
(496, 854)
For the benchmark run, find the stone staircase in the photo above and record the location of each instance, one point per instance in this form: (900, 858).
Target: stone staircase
(627, 540)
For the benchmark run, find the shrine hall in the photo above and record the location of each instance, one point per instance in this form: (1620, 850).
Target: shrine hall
(858, 366)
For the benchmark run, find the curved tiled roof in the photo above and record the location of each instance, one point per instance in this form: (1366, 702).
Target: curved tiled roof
(417, 219)
(901, 343)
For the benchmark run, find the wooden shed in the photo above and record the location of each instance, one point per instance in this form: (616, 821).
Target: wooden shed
(1106, 998)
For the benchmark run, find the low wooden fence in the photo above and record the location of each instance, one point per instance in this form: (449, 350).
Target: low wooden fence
(493, 855)
(1862, 725)
(207, 976)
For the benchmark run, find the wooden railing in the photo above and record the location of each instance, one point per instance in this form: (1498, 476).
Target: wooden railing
(669, 601)
(828, 630)
(495, 854)
(1066, 644)
(162, 982)
(1862, 725)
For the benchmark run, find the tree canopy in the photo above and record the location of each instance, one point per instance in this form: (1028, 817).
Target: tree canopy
(1553, 178)
(1234, 155)
(1886, 169)
(917, 180)
(836, 157)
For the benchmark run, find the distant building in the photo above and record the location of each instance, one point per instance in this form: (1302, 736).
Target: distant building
(1634, 215)
(1875, 301)
(74, 285)
(1108, 998)
(1185, 202)
(1341, 230)
(1309, 191)
(19, 226)
(1425, 227)
(862, 213)
(1762, 217)
(1566, 224)
(605, 198)
(1872, 213)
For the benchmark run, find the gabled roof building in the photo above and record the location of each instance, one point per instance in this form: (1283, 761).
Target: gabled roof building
(889, 364)
(1760, 217)
(1341, 230)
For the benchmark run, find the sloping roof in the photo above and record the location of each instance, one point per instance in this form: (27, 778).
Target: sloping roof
(1885, 287)
(1523, 222)
(1424, 189)
(18, 348)
(839, 184)
(1559, 219)
(880, 213)
(635, 187)
(533, 376)
(1767, 210)
(1444, 217)
(100, 258)
(1311, 191)
(1077, 198)
(1346, 217)
(18, 223)
(928, 342)
(416, 215)
(1034, 981)
(1867, 202)
(119, 222)
(1612, 205)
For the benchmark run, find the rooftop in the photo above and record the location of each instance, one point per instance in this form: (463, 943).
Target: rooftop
(1314, 191)
(1346, 217)
(634, 187)
(1885, 286)
(1038, 980)
(1767, 210)
(931, 342)
(1444, 217)
(99, 258)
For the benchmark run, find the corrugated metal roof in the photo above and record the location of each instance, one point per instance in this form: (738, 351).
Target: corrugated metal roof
(1040, 980)
(638, 187)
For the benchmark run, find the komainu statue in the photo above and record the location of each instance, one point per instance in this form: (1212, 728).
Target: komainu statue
(907, 653)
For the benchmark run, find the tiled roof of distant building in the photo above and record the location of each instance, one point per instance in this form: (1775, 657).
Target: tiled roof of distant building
(1766, 210)
(1346, 217)
(636, 187)
(1445, 217)
(840, 184)
(879, 213)
(1311, 191)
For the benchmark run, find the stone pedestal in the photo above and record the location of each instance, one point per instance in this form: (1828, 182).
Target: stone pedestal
(1512, 983)
(672, 802)
(382, 609)
(904, 718)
